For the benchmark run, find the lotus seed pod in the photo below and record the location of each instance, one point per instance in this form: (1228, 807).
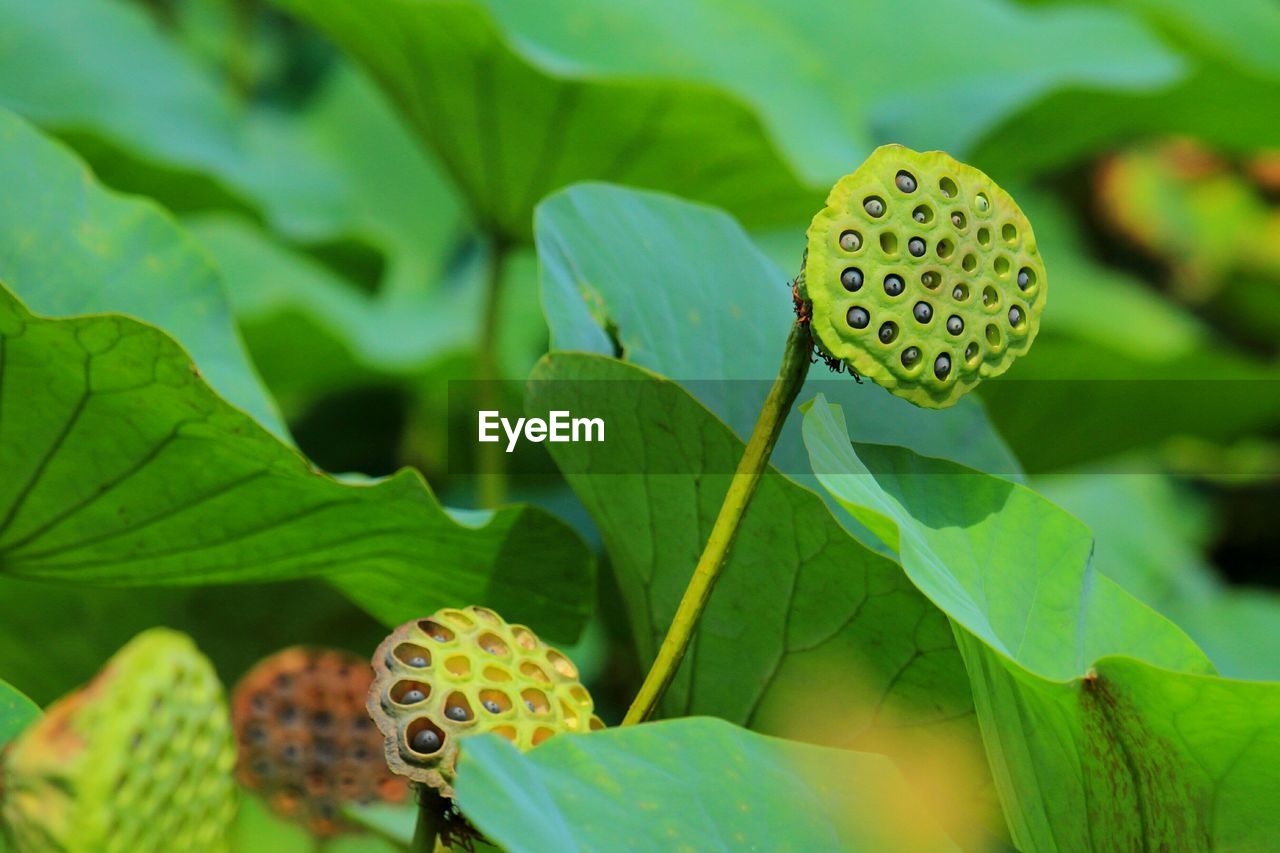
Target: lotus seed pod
(139, 759)
(950, 284)
(465, 672)
(307, 745)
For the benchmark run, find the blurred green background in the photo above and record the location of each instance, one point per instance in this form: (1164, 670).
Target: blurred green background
(355, 221)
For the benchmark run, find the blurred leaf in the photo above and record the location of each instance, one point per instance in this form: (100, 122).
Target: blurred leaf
(799, 602)
(123, 468)
(16, 712)
(150, 120)
(1148, 369)
(685, 293)
(1218, 105)
(510, 124)
(236, 626)
(700, 784)
(1086, 743)
(1246, 33)
(831, 80)
(69, 246)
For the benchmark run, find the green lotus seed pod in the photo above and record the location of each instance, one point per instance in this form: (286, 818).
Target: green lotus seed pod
(923, 275)
(139, 759)
(466, 672)
(307, 745)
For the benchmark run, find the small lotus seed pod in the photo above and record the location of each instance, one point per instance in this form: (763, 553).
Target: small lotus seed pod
(138, 759)
(307, 745)
(936, 232)
(465, 672)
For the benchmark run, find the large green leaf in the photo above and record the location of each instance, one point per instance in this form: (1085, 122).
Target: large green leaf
(1103, 723)
(809, 634)
(123, 467)
(694, 784)
(68, 246)
(512, 123)
(16, 711)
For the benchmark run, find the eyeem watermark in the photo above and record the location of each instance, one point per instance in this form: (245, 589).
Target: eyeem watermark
(559, 426)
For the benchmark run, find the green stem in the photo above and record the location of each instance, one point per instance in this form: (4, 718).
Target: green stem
(427, 827)
(755, 459)
(490, 464)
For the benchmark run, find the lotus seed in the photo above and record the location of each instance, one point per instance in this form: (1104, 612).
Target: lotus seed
(851, 278)
(918, 215)
(888, 332)
(850, 241)
(418, 662)
(960, 293)
(916, 246)
(942, 366)
(910, 356)
(923, 312)
(906, 182)
(412, 697)
(874, 207)
(858, 317)
(426, 741)
(982, 203)
(491, 706)
(457, 713)
(957, 219)
(440, 638)
(930, 279)
(1015, 316)
(893, 284)
(971, 351)
(955, 325)
(1024, 278)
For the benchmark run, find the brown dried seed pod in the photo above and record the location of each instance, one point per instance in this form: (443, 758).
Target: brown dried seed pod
(307, 745)
(464, 672)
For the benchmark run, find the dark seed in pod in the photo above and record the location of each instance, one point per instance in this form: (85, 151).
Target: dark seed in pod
(930, 279)
(440, 638)
(923, 312)
(959, 294)
(910, 356)
(942, 366)
(888, 332)
(916, 246)
(1015, 316)
(851, 278)
(850, 241)
(426, 741)
(893, 284)
(858, 317)
(873, 206)
(957, 219)
(412, 697)
(419, 662)
(918, 215)
(1024, 278)
(491, 706)
(906, 182)
(971, 350)
(457, 713)
(955, 325)
(528, 704)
